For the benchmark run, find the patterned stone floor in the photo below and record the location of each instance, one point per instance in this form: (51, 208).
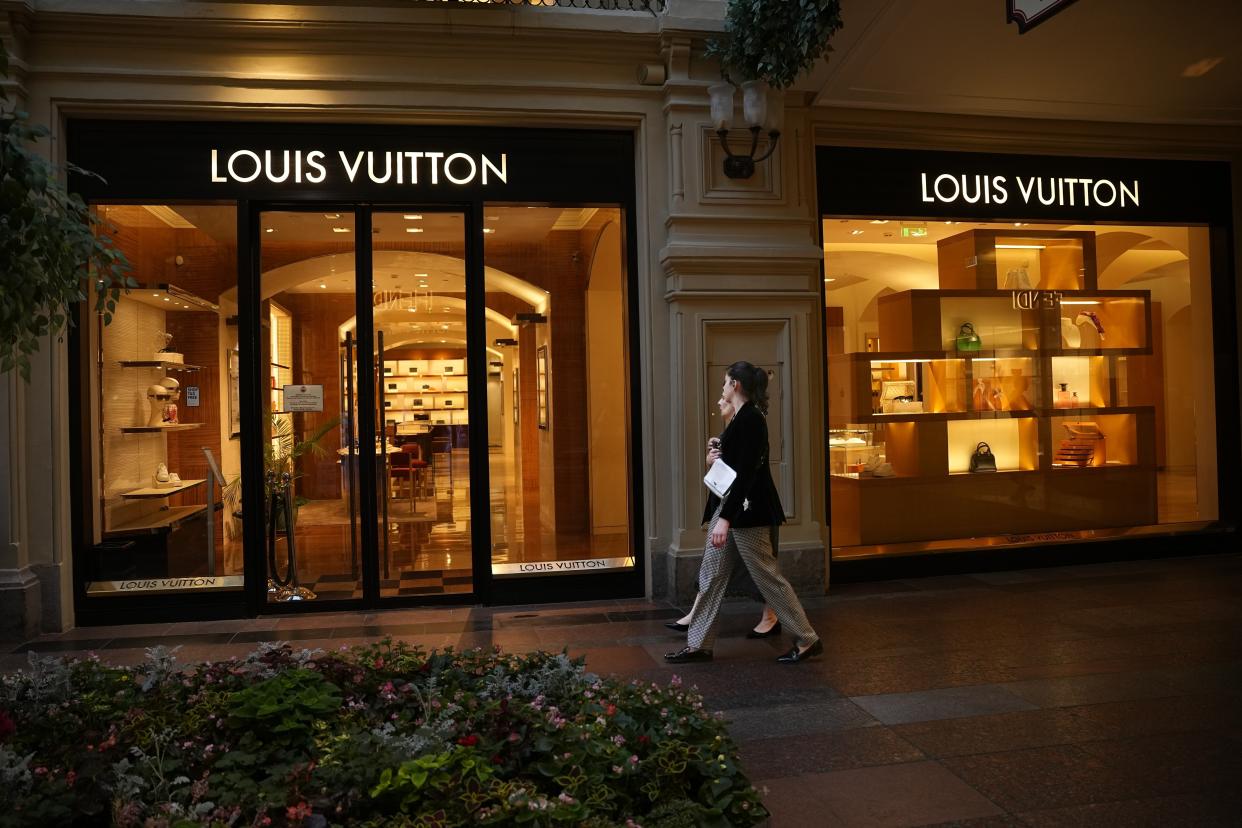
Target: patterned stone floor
(1094, 695)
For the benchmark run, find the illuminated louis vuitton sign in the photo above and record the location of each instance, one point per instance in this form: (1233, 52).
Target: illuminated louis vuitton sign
(1059, 191)
(394, 167)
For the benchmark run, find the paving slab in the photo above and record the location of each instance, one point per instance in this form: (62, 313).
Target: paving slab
(946, 703)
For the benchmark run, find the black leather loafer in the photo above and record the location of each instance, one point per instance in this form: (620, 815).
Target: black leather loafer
(687, 656)
(673, 625)
(796, 656)
(772, 633)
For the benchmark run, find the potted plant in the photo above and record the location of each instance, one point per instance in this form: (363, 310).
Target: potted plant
(774, 41)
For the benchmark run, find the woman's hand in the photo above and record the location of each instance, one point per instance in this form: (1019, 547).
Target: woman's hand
(720, 533)
(713, 450)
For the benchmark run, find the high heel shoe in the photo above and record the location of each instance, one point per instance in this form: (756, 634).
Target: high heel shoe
(797, 656)
(687, 655)
(673, 625)
(772, 633)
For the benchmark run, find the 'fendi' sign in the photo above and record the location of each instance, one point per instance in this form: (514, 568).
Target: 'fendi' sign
(395, 167)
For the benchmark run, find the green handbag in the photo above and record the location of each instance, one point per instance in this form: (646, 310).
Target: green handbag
(967, 339)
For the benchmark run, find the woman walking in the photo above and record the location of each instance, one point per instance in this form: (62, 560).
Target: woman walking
(740, 582)
(741, 525)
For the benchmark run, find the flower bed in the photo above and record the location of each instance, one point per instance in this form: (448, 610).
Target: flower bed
(386, 734)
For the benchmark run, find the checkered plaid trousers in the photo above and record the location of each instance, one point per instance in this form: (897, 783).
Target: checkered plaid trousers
(754, 547)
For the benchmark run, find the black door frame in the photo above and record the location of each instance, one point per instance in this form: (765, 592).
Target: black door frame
(365, 405)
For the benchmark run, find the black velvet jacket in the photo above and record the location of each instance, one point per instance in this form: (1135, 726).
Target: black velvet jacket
(752, 500)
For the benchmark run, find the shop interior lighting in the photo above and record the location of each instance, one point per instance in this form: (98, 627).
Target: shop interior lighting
(1080, 302)
(412, 217)
(340, 229)
(413, 229)
(332, 215)
(856, 232)
(269, 230)
(879, 221)
(489, 229)
(323, 286)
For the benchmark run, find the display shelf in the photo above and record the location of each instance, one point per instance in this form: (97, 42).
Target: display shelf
(944, 416)
(152, 363)
(157, 521)
(155, 492)
(154, 429)
(1026, 323)
(170, 298)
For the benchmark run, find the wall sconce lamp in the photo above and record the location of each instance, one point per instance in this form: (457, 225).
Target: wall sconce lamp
(761, 109)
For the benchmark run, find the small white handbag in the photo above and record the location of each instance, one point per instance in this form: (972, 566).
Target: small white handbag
(719, 478)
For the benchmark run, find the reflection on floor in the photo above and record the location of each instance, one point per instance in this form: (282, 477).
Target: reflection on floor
(514, 542)
(429, 537)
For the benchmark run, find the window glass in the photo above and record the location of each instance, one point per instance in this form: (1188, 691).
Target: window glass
(166, 461)
(993, 384)
(558, 379)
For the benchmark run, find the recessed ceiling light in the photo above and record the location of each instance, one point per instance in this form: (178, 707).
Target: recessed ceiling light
(332, 215)
(166, 299)
(340, 229)
(421, 275)
(489, 229)
(879, 221)
(493, 218)
(950, 222)
(322, 286)
(445, 327)
(412, 217)
(856, 232)
(413, 229)
(1018, 224)
(829, 279)
(269, 230)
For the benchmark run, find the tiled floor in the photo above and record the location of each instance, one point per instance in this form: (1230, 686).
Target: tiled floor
(1096, 695)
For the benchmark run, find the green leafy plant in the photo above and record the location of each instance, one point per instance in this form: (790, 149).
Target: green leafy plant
(53, 250)
(774, 40)
(383, 735)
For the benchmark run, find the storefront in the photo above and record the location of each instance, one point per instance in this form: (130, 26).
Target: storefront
(1027, 352)
(366, 366)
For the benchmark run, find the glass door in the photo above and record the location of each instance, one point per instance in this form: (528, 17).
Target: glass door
(421, 402)
(311, 460)
(366, 446)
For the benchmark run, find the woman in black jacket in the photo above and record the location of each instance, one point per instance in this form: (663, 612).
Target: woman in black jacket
(741, 524)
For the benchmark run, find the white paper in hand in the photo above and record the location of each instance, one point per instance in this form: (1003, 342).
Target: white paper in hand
(719, 478)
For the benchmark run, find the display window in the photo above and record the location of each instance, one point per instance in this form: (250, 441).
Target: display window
(1005, 382)
(558, 359)
(1027, 351)
(165, 506)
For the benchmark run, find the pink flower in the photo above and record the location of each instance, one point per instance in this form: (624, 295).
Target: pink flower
(298, 812)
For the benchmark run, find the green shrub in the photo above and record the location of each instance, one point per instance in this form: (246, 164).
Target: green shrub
(384, 735)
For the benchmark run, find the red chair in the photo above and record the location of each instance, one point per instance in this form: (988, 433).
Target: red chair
(408, 465)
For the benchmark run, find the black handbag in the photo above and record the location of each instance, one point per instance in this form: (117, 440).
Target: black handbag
(983, 460)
